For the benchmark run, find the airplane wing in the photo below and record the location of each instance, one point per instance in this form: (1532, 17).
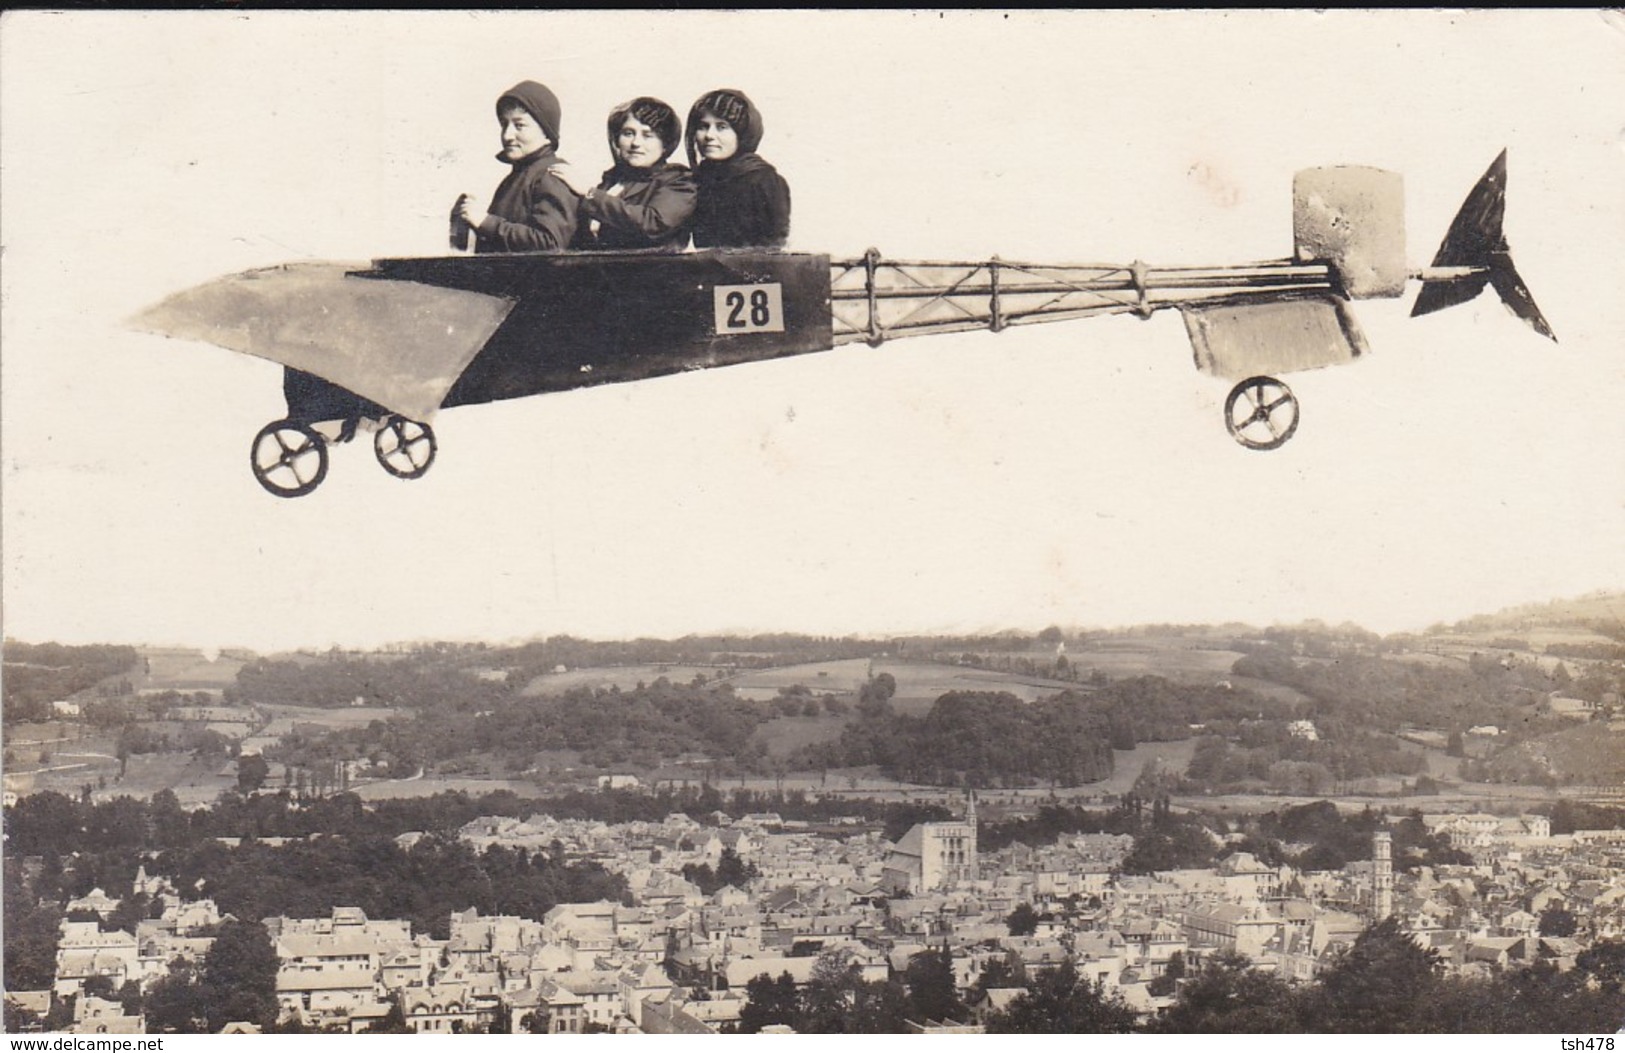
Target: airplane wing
(402, 344)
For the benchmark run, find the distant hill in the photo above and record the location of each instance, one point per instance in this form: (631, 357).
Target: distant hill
(1601, 611)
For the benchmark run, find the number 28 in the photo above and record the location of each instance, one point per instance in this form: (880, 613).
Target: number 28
(761, 310)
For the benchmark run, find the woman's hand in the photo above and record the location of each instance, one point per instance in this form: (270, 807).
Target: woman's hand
(572, 179)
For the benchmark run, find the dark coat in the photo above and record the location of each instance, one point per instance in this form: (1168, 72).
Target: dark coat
(531, 211)
(744, 203)
(651, 212)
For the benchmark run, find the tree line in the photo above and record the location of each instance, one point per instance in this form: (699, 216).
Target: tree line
(38, 674)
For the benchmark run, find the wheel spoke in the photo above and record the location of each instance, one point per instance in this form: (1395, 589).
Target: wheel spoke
(404, 447)
(288, 458)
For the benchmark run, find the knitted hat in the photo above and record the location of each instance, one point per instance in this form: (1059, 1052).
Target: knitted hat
(653, 113)
(538, 101)
(732, 106)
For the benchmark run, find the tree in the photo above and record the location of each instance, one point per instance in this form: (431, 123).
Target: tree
(732, 870)
(1023, 921)
(1001, 972)
(769, 1001)
(878, 1008)
(1555, 921)
(175, 1002)
(1228, 996)
(1059, 1001)
(1167, 982)
(238, 980)
(932, 993)
(1384, 983)
(829, 994)
(1605, 963)
(130, 912)
(32, 932)
(252, 770)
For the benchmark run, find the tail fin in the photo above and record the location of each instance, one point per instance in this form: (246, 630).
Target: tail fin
(1475, 240)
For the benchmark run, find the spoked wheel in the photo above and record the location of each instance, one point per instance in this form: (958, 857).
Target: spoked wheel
(289, 458)
(1261, 413)
(404, 447)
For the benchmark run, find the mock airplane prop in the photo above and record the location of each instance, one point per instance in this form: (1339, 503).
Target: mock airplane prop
(389, 344)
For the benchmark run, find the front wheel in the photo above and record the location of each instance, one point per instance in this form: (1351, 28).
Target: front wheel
(404, 447)
(289, 458)
(1261, 413)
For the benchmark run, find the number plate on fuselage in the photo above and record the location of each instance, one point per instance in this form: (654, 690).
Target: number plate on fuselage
(587, 318)
(748, 308)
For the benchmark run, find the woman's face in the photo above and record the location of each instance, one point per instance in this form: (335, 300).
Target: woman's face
(637, 145)
(715, 139)
(521, 135)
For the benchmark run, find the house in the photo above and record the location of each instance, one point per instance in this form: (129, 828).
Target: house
(639, 982)
(322, 979)
(719, 1011)
(941, 1027)
(1497, 952)
(670, 1016)
(476, 938)
(740, 971)
(101, 1016)
(994, 1000)
(1231, 927)
(35, 1003)
(599, 992)
(587, 927)
(559, 1011)
(446, 1009)
(84, 951)
(97, 901)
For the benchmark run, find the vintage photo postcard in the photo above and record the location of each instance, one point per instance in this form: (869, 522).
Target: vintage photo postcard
(805, 521)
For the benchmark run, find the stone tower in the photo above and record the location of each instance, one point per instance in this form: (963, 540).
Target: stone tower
(1382, 875)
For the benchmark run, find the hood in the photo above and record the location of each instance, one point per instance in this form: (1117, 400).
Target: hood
(734, 107)
(541, 103)
(652, 112)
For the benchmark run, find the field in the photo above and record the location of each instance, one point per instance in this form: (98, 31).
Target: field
(625, 677)
(837, 677)
(181, 669)
(76, 761)
(283, 718)
(785, 735)
(919, 684)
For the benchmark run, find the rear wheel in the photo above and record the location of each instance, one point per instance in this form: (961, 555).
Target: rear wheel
(1261, 413)
(404, 447)
(289, 458)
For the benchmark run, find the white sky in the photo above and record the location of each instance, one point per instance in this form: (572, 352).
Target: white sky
(1076, 473)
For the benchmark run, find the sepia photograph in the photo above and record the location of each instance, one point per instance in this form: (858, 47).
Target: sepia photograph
(810, 522)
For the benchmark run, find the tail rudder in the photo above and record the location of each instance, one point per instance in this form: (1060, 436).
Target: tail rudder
(1475, 242)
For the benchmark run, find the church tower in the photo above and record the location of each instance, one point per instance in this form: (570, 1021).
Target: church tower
(1382, 875)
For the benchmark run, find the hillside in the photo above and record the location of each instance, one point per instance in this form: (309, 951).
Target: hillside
(1603, 613)
(1527, 696)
